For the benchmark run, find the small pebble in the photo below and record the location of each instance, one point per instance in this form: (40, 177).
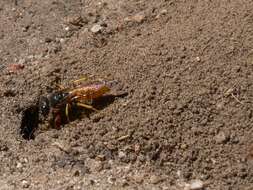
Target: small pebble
(25, 184)
(19, 165)
(139, 18)
(163, 12)
(121, 154)
(196, 185)
(198, 59)
(25, 160)
(100, 157)
(67, 28)
(155, 179)
(62, 40)
(25, 29)
(221, 137)
(96, 28)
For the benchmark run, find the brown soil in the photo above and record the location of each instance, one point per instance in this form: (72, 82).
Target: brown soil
(187, 67)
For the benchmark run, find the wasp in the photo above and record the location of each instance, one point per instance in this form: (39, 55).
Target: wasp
(56, 104)
(54, 108)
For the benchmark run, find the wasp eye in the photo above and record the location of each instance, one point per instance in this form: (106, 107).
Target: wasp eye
(56, 97)
(44, 105)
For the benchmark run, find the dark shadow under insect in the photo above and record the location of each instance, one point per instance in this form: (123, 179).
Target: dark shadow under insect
(29, 122)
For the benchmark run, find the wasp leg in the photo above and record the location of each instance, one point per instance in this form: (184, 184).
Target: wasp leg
(61, 87)
(67, 111)
(86, 106)
(83, 98)
(79, 80)
(57, 121)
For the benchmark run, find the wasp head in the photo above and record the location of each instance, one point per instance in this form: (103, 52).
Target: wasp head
(44, 106)
(57, 98)
(51, 101)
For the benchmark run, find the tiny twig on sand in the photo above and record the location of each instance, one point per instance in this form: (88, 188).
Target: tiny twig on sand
(236, 98)
(123, 137)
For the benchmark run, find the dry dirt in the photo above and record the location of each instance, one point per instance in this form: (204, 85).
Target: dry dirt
(187, 66)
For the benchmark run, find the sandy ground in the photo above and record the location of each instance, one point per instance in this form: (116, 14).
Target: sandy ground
(187, 66)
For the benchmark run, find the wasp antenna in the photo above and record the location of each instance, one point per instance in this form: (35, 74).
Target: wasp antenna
(86, 106)
(79, 80)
